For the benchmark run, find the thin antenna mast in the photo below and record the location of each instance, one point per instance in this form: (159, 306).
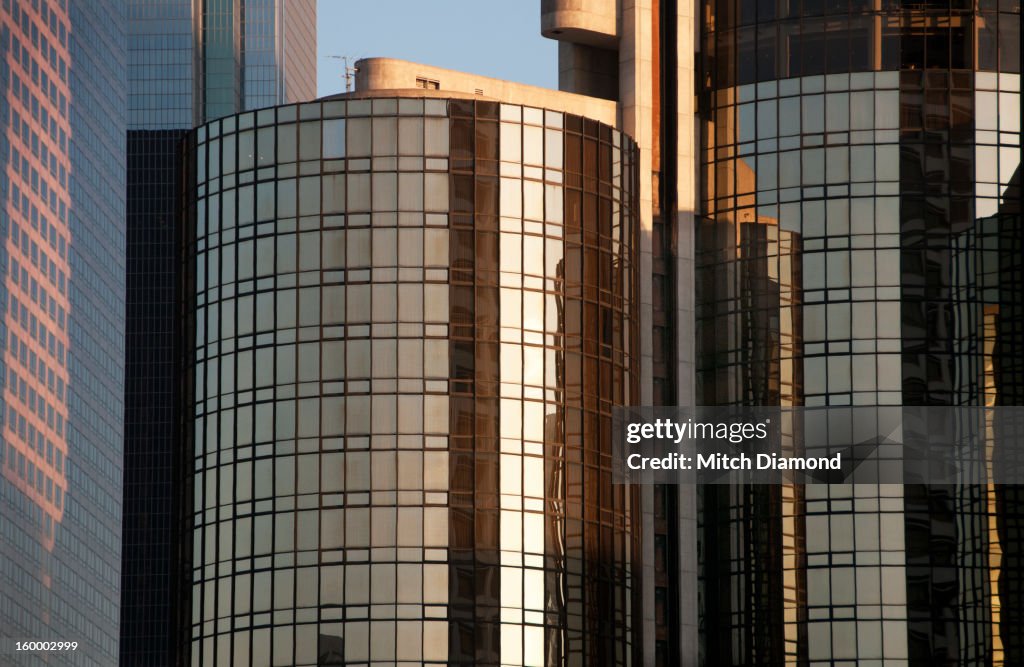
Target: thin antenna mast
(349, 71)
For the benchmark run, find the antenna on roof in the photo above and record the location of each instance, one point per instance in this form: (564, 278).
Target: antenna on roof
(350, 71)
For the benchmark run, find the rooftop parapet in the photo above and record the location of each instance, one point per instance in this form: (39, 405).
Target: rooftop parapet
(398, 78)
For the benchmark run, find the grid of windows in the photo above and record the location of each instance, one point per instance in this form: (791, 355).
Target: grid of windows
(749, 41)
(152, 416)
(61, 149)
(336, 440)
(189, 61)
(804, 174)
(250, 53)
(412, 318)
(543, 336)
(861, 209)
(161, 64)
(279, 52)
(37, 310)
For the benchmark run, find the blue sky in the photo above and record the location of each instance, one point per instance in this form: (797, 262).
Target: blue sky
(499, 38)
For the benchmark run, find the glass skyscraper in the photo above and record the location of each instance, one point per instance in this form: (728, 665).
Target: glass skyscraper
(188, 62)
(395, 322)
(412, 313)
(858, 198)
(834, 220)
(62, 195)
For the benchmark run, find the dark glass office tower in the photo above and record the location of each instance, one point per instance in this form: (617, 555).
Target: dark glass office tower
(412, 314)
(188, 62)
(860, 201)
(62, 132)
(150, 582)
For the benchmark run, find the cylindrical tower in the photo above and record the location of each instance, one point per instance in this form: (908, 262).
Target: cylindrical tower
(859, 246)
(412, 315)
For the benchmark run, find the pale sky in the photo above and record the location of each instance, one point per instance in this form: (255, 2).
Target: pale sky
(499, 38)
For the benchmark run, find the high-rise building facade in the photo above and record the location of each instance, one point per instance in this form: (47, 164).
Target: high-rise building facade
(856, 163)
(397, 394)
(188, 62)
(413, 311)
(836, 188)
(641, 55)
(192, 61)
(62, 84)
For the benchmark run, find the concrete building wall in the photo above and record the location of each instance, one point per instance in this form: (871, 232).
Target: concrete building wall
(378, 74)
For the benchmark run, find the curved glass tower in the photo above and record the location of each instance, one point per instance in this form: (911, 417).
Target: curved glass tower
(859, 245)
(412, 317)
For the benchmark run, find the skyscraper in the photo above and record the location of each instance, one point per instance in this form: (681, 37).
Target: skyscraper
(390, 459)
(62, 217)
(640, 54)
(414, 307)
(836, 188)
(859, 155)
(194, 61)
(188, 62)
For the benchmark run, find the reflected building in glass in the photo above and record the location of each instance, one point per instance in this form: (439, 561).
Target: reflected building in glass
(833, 219)
(881, 145)
(62, 198)
(641, 56)
(413, 311)
(410, 311)
(189, 61)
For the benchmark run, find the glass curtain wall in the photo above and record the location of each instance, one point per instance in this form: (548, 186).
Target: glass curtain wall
(189, 61)
(411, 320)
(861, 208)
(62, 201)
